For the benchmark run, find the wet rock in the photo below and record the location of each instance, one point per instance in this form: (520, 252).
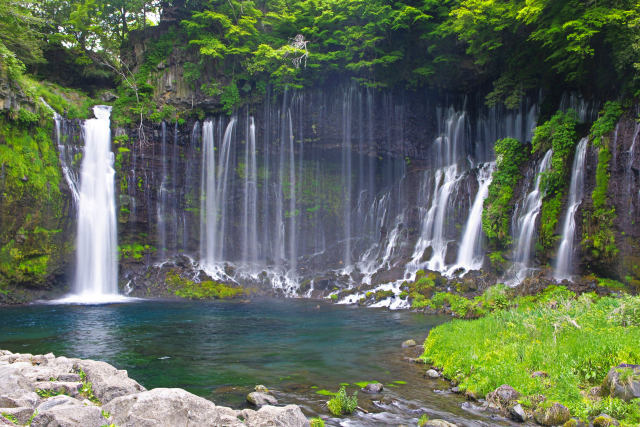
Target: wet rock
(432, 373)
(623, 382)
(604, 420)
(469, 395)
(439, 423)
(261, 388)
(257, 398)
(65, 411)
(503, 397)
(555, 415)
(373, 388)
(518, 413)
(168, 407)
(108, 382)
(287, 416)
(408, 343)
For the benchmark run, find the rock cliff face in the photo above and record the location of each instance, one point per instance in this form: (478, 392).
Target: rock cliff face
(313, 191)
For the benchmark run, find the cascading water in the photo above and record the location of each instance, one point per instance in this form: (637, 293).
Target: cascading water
(471, 254)
(525, 225)
(208, 207)
(564, 268)
(96, 253)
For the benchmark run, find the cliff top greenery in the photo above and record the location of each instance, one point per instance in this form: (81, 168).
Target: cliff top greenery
(233, 47)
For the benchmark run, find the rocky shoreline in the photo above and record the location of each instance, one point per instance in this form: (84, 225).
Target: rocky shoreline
(44, 390)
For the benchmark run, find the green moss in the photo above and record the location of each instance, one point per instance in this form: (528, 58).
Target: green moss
(598, 237)
(558, 134)
(134, 251)
(185, 288)
(498, 207)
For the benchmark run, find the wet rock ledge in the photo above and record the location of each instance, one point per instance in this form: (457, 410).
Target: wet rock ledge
(44, 390)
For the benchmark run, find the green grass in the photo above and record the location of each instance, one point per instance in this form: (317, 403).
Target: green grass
(576, 340)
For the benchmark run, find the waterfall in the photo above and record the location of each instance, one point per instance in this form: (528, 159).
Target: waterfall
(66, 159)
(96, 252)
(346, 174)
(576, 192)
(161, 209)
(526, 223)
(208, 203)
(470, 253)
(250, 211)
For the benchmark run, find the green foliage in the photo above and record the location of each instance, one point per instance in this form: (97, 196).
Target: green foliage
(576, 340)
(498, 206)
(606, 122)
(559, 135)
(185, 288)
(86, 391)
(45, 394)
(598, 237)
(135, 251)
(10, 417)
(342, 403)
(316, 422)
(422, 420)
(230, 98)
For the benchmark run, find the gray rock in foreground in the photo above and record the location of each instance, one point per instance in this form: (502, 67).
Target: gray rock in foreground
(125, 402)
(623, 382)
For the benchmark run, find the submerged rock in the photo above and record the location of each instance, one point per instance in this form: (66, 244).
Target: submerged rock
(623, 382)
(373, 388)
(439, 423)
(257, 398)
(408, 343)
(432, 373)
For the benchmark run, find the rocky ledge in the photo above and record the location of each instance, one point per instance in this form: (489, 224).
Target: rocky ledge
(44, 390)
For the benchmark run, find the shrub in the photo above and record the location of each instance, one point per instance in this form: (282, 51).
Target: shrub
(342, 403)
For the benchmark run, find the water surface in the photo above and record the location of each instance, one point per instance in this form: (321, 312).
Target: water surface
(221, 350)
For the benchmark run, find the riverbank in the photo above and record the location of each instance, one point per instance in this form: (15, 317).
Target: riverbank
(42, 390)
(554, 358)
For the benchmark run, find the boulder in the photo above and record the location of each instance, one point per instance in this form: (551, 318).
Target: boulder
(372, 388)
(408, 343)
(16, 390)
(604, 420)
(273, 416)
(167, 407)
(261, 388)
(257, 398)
(502, 397)
(556, 414)
(623, 382)
(107, 381)
(65, 411)
(432, 373)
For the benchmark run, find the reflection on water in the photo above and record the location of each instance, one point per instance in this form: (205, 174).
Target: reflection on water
(221, 350)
